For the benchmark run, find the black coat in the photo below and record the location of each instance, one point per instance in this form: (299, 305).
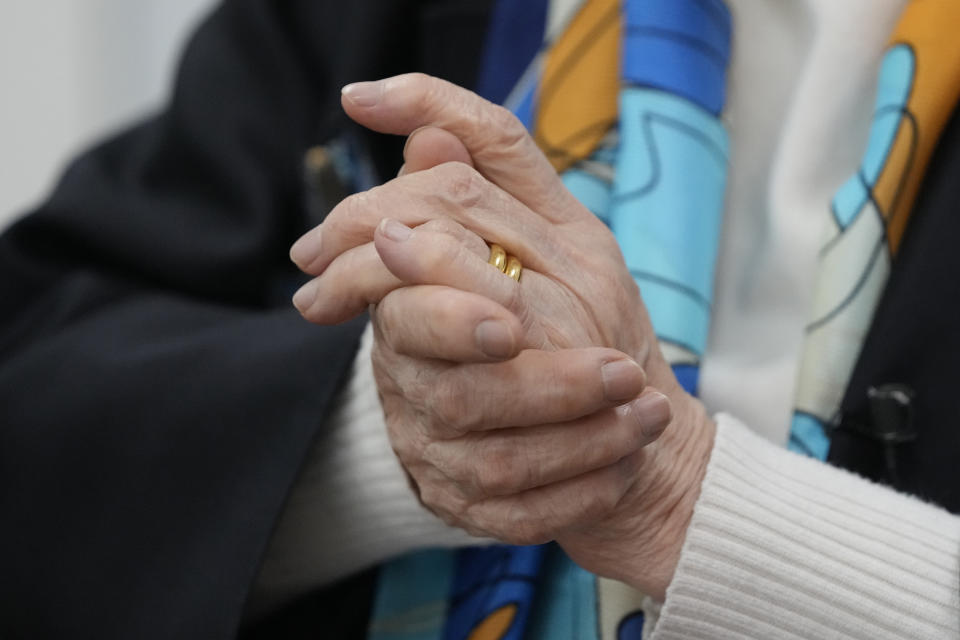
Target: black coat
(158, 392)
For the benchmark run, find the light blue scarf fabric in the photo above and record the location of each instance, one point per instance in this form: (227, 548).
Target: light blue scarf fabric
(658, 181)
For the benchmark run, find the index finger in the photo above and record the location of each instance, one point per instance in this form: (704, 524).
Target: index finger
(499, 144)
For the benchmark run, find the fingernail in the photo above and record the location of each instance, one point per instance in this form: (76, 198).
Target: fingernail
(305, 296)
(396, 231)
(494, 338)
(307, 248)
(653, 412)
(622, 380)
(363, 94)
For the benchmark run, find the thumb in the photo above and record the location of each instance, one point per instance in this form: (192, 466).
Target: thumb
(428, 147)
(499, 144)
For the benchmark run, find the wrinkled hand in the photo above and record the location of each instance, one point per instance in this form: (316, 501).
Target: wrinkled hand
(549, 443)
(577, 290)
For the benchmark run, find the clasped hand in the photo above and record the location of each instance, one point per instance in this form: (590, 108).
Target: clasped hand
(527, 411)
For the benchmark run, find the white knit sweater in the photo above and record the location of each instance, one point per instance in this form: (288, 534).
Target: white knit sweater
(779, 546)
(783, 546)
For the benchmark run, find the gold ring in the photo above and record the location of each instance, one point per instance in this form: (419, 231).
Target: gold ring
(498, 257)
(514, 267)
(510, 265)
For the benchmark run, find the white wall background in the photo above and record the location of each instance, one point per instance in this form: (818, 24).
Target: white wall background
(72, 71)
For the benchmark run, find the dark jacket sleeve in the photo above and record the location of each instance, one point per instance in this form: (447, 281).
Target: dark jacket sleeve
(157, 390)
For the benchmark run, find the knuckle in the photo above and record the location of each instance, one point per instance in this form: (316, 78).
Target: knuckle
(436, 454)
(454, 406)
(443, 405)
(444, 410)
(461, 185)
(407, 444)
(420, 78)
(389, 319)
(524, 528)
(452, 251)
(510, 131)
(470, 413)
(450, 458)
(487, 474)
(431, 259)
(418, 389)
(353, 207)
(497, 472)
(444, 501)
(404, 448)
(355, 217)
(445, 226)
(430, 91)
(604, 501)
(434, 497)
(386, 367)
(413, 384)
(458, 234)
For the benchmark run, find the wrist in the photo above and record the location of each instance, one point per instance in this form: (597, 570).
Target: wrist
(689, 440)
(667, 490)
(640, 543)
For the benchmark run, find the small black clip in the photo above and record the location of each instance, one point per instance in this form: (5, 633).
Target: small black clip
(891, 412)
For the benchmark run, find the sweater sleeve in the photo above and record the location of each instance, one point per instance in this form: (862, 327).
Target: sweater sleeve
(352, 506)
(781, 547)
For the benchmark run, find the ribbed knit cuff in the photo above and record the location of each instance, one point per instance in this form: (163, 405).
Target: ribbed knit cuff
(352, 506)
(782, 546)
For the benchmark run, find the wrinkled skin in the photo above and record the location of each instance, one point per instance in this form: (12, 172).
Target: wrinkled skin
(521, 411)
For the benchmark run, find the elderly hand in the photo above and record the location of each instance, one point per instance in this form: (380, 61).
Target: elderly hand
(532, 447)
(514, 198)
